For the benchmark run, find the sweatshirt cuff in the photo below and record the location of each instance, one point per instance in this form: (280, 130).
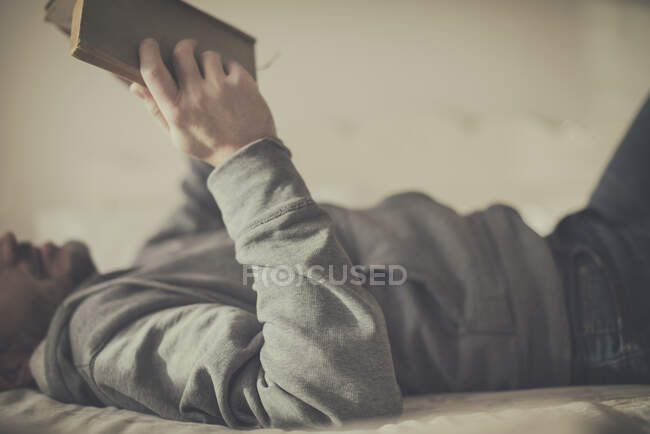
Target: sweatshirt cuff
(257, 183)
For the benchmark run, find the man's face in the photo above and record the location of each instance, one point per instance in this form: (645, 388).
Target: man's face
(34, 280)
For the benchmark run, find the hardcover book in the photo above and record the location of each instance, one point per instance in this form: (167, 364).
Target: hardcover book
(107, 33)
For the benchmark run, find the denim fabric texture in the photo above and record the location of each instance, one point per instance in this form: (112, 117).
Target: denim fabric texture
(604, 254)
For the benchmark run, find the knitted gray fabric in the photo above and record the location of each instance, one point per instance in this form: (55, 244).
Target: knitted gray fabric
(310, 334)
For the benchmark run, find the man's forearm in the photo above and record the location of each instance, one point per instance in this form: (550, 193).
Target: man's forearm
(325, 341)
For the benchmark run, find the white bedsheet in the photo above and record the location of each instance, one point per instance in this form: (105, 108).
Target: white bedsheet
(599, 409)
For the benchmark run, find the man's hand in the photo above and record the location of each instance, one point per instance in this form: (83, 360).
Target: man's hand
(211, 110)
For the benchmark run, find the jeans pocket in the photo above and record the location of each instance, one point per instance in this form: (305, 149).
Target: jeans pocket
(595, 309)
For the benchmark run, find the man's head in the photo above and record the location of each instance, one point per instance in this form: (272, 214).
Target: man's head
(33, 282)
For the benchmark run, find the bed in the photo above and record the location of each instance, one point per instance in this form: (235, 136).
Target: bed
(595, 409)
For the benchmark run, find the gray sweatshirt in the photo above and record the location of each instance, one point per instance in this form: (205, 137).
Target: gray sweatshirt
(337, 314)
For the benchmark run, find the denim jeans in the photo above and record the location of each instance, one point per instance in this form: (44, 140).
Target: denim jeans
(603, 253)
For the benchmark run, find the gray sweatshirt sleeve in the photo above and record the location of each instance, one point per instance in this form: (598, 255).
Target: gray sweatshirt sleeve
(314, 352)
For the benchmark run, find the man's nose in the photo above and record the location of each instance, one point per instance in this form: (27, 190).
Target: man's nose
(8, 245)
(8, 236)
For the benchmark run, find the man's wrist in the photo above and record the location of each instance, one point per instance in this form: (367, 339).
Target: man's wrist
(223, 153)
(218, 157)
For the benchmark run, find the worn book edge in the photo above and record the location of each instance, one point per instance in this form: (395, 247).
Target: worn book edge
(83, 51)
(86, 53)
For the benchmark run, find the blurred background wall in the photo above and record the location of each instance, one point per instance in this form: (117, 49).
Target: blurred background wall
(472, 102)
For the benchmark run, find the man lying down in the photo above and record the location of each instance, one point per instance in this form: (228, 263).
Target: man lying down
(256, 307)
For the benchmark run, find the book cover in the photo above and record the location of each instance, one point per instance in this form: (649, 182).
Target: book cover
(107, 34)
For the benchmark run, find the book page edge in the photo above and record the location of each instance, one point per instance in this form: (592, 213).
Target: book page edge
(75, 25)
(109, 63)
(86, 53)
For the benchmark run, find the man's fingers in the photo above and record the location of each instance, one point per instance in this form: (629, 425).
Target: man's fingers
(144, 94)
(139, 91)
(155, 112)
(237, 73)
(185, 66)
(156, 75)
(212, 66)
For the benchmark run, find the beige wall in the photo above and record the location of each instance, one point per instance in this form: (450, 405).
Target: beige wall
(471, 102)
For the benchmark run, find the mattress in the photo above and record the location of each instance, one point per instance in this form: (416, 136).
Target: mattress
(595, 409)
